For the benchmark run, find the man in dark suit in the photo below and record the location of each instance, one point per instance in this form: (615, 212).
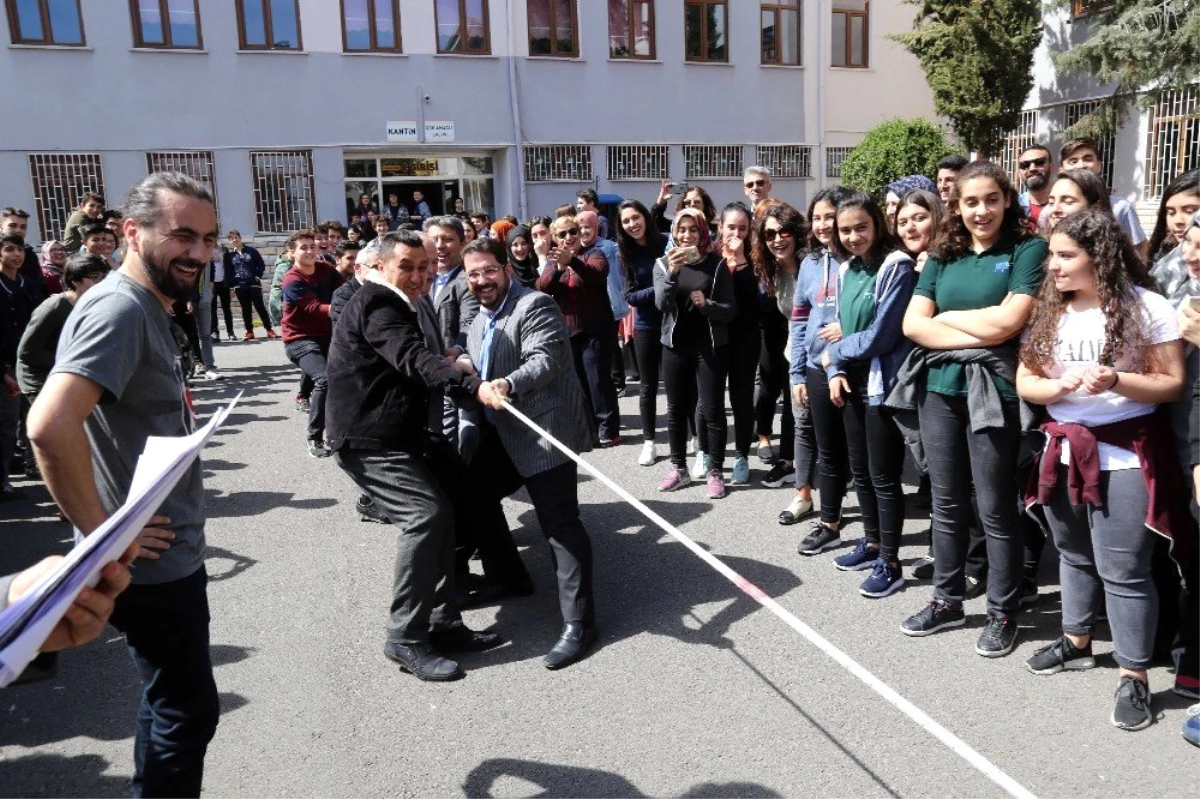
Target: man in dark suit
(452, 299)
(384, 431)
(519, 345)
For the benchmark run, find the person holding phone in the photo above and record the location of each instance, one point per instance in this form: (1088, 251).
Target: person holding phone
(694, 292)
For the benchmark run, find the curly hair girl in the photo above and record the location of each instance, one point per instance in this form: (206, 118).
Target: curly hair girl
(1116, 270)
(954, 240)
(790, 222)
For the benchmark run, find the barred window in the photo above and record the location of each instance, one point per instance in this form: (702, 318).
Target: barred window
(1016, 142)
(1174, 142)
(196, 164)
(1076, 112)
(785, 160)
(570, 162)
(283, 190)
(834, 158)
(60, 182)
(712, 160)
(637, 162)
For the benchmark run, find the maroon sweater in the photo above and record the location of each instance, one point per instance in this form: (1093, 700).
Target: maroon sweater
(1151, 438)
(581, 291)
(306, 301)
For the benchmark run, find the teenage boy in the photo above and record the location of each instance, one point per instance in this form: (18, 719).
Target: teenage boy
(16, 307)
(307, 292)
(1084, 153)
(345, 259)
(948, 168)
(90, 210)
(15, 221)
(1035, 165)
(395, 211)
(483, 226)
(99, 240)
(420, 210)
(245, 266)
(588, 200)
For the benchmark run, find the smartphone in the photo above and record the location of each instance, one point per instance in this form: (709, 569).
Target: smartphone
(691, 254)
(678, 188)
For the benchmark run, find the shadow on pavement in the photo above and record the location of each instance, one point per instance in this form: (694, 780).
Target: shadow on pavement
(57, 775)
(574, 782)
(255, 503)
(218, 571)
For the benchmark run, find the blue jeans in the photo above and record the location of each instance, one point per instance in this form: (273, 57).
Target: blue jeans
(166, 628)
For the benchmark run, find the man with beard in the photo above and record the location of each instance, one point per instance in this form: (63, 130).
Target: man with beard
(118, 381)
(520, 347)
(1035, 166)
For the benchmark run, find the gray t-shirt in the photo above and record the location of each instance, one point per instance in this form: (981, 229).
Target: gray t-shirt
(119, 337)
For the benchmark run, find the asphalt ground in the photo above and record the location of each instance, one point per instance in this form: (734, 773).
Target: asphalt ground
(694, 690)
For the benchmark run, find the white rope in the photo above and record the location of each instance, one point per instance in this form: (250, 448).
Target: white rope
(956, 744)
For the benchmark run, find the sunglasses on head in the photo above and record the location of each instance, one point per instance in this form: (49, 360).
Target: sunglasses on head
(1033, 162)
(573, 231)
(771, 235)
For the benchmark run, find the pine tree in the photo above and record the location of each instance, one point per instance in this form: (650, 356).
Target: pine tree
(977, 56)
(1134, 47)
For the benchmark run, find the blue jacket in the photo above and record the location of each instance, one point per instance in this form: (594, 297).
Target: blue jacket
(641, 295)
(883, 343)
(815, 305)
(245, 269)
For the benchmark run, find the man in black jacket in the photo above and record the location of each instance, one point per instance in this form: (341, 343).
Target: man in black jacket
(379, 418)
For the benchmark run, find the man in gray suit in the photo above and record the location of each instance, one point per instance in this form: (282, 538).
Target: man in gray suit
(452, 299)
(519, 344)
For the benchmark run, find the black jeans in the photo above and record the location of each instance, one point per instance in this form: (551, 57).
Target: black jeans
(870, 429)
(593, 353)
(745, 347)
(410, 489)
(221, 293)
(251, 299)
(648, 345)
(310, 355)
(992, 456)
(772, 381)
(166, 628)
(834, 458)
(686, 369)
(480, 524)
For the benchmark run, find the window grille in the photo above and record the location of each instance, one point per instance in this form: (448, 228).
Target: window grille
(834, 158)
(283, 190)
(713, 160)
(1016, 142)
(569, 162)
(1174, 143)
(60, 181)
(638, 162)
(785, 160)
(196, 164)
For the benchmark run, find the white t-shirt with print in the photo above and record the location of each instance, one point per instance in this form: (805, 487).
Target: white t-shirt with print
(1080, 340)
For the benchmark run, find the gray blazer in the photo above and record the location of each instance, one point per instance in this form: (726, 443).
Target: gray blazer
(456, 308)
(532, 349)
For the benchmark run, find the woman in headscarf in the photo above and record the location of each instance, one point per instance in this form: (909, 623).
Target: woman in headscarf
(501, 229)
(896, 191)
(521, 256)
(54, 258)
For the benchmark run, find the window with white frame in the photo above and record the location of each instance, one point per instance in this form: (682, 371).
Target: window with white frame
(196, 164)
(60, 182)
(1174, 140)
(567, 162)
(785, 160)
(283, 190)
(712, 160)
(638, 162)
(1016, 142)
(1076, 112)
(834, 158)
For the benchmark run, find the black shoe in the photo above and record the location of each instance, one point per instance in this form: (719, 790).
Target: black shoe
(461, 638)
(302, 404)
(32, 473)
(933, 617)
(369, 512)
(492, 594)
(317, 448)
(781, 472)
(1132, 710)
(607, 442)
(820, 538)
(1061, 655)
(923, 568)
(575, 640)
(422, 661)
(976, 587)
(998, 638)
(10, 494)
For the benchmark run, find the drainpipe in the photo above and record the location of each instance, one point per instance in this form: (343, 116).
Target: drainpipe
(514, 96)
(820, 70)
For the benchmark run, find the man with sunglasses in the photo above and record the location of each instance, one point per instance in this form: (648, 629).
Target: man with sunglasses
(756, 181)
(1035, 164)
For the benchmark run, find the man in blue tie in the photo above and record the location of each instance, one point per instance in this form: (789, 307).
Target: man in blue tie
(521, 348)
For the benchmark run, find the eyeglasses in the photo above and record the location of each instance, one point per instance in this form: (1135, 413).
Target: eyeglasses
(693, 203)
(487, 271)
(1033, 162)
(562, 234)
(771, 235)
(755, 184)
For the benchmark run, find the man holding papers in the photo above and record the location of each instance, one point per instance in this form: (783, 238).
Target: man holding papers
(118, 380)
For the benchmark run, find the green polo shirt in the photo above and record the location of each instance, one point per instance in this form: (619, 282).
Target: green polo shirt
(980, 280)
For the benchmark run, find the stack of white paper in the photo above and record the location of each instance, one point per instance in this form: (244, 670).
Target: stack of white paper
(25, 625)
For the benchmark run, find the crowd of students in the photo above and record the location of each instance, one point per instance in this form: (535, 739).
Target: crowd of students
(1031, 356)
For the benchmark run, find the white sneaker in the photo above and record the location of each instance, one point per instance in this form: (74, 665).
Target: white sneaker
(693, 445)
(700, 466)
(213, 374)
(649, 454)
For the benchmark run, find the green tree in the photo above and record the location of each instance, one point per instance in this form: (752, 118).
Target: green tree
(892, 150)
(1138, 47)
(977, 56)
